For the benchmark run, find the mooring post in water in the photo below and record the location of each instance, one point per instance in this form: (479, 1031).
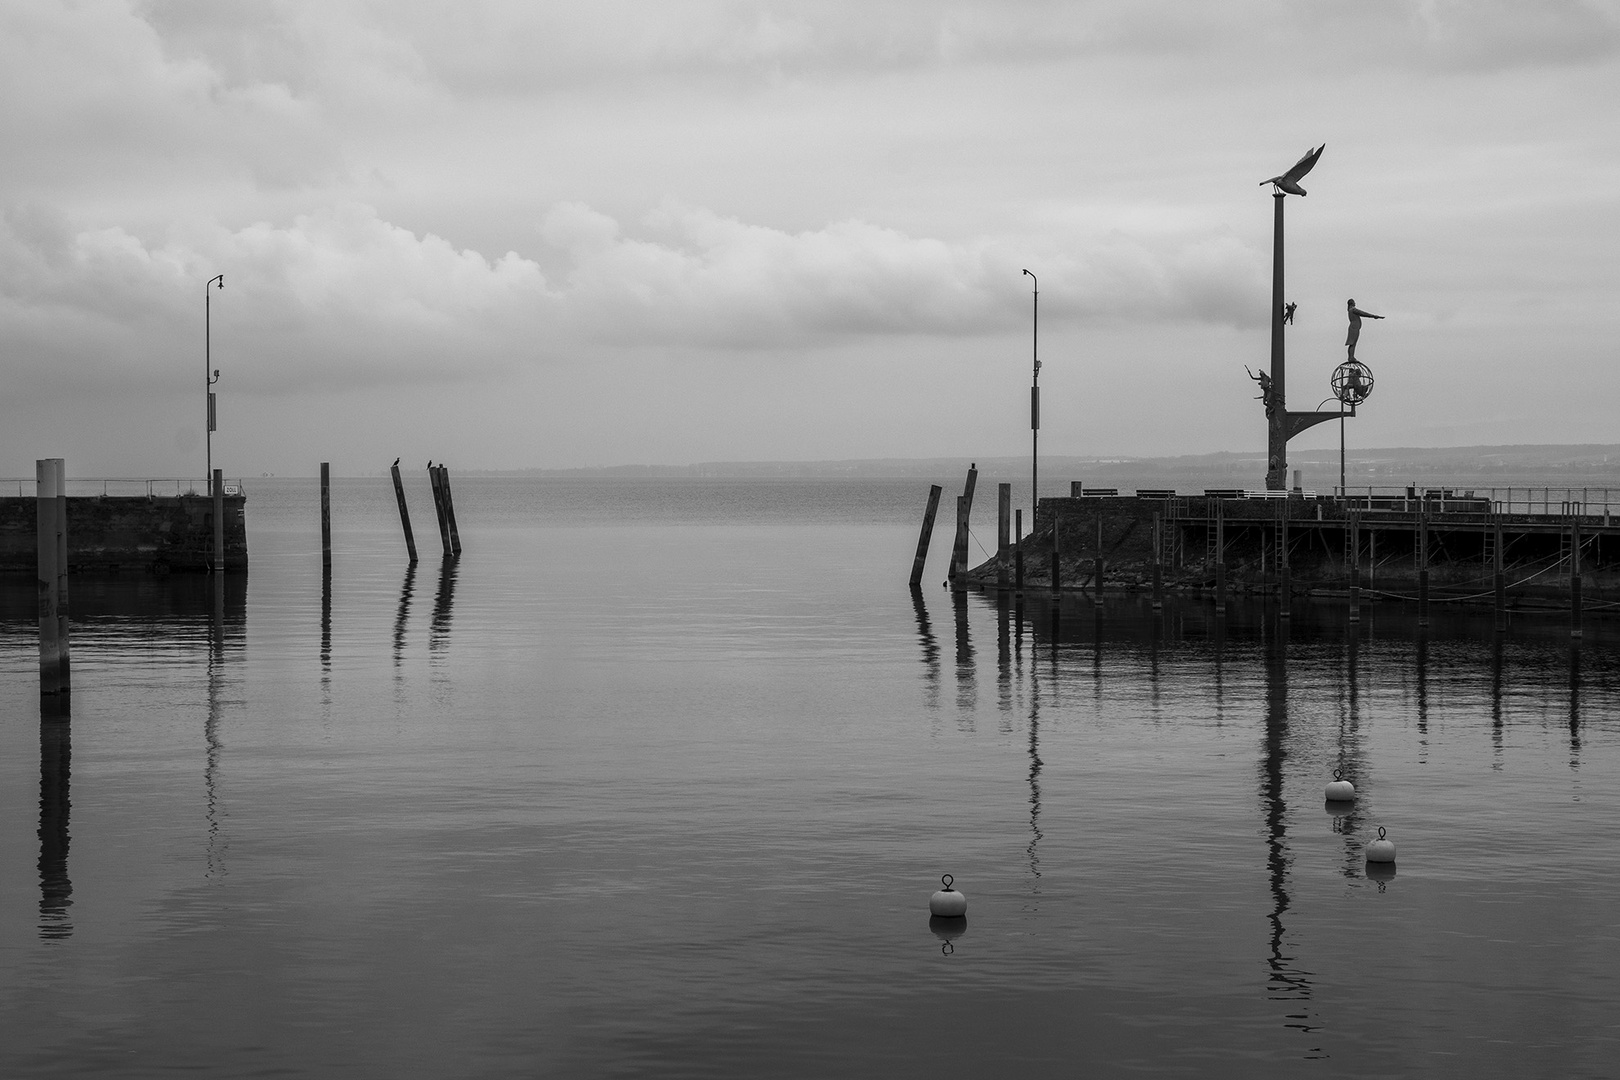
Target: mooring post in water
(438, 507)
(326, 513)
(1423, 566)
(958, 575)
(51, 545)
(219, 521)
(1574, 577)
(449, 509)
(927, 534)
(1018, 552)
(1498, 580)
(1220, 557)
(1158, 562)
(1003, 528)
(1353, 563)
(404, 514)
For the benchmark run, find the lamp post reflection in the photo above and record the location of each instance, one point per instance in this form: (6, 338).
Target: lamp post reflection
(217, 842)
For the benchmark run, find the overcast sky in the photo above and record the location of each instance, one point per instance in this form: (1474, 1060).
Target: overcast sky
(501, 233)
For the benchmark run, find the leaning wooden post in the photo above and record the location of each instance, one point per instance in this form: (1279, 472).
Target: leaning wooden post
(47, 481)
(927, 534)
(1003, 531)
(1018, 551)
(404, 514)
(959, 548)
(449, 509)
(438, 507)
(219, 521)
(1423, 566)
(1158, 562)
(326, 513)
(1574, 577)
(1499, 581)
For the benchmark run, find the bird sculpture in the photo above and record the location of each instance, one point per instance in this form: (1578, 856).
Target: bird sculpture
(1289, 181)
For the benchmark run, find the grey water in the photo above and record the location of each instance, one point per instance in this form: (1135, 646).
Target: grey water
(657, 779)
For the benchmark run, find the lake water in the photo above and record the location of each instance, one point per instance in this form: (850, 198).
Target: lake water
(657, 779)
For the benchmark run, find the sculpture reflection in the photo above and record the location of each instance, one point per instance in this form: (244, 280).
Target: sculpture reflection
(55, 768)
(1287, 981)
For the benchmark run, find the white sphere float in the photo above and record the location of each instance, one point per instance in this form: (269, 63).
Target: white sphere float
(1340, 789)
(947, 903)
(1381, 850)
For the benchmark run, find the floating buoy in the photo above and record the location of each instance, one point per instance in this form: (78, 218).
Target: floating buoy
(1381, 850)
(947, 903)
(1340, 790)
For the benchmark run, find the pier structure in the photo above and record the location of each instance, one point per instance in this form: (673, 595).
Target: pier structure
(131, 526)
(1501, 544)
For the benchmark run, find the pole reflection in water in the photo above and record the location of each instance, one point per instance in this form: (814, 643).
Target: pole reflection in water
(55, 761)
(403, 615)
(1422, 662)
(967, 691)
(1004, 693)
(1035, 764)
(1348, 763)
(1496, 701)
(217, 842)
(1575, 706)
(439, 629)
(1287, 981)
(930, 649)
(326, 634)
(1096, 650)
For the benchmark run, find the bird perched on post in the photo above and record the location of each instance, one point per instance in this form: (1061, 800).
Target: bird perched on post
(396, 464)
(1289, 181)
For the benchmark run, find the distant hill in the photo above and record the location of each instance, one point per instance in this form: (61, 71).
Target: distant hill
(1595, 465)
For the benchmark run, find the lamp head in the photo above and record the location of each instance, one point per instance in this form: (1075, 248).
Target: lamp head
(216, 373)
(221, 284)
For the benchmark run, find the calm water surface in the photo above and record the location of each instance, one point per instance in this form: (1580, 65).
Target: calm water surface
(656, 780)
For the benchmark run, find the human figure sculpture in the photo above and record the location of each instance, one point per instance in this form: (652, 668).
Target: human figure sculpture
(1265, 388)
(1356, 315)
(1288, 312)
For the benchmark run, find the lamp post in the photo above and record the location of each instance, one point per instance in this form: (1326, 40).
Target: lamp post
(210, 376)
(1034, 399)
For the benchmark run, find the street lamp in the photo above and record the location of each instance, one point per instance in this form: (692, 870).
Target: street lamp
(1034, 400)
(210, 377)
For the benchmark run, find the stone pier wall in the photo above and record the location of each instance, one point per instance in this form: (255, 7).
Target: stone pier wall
(119, 534)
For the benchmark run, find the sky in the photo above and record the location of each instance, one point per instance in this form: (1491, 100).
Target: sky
(517, 234)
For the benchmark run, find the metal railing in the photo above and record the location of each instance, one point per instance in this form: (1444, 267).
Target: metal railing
(124, 486)
(1540, 501)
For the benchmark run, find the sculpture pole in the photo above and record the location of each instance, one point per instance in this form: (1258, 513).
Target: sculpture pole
(1277, 418)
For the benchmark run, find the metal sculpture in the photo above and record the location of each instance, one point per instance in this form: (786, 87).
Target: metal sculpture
(1356, 315)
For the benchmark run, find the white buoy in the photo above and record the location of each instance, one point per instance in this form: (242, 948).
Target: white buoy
(1381, 850)
(1340, 790)
(947, 903)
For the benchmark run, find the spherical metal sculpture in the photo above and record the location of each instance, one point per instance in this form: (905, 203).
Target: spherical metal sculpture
(1352, 382)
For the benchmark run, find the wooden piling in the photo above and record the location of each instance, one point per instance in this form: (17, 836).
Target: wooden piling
(1077, 488)
(51, 548)
(326, 514)
(959, 548)
(1574, 577)
(1423, 566)
(449, 509)
(1220, 558)
(1353, 563)
(927, 534)
(1018, 552)
(404, 514)
(438, 507)
(1158, 562)
(1057, 576)
(1285, 583)
(1097, 575)
(1498, 580)
(1003, 529)
(62, 576)
(219, 521)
